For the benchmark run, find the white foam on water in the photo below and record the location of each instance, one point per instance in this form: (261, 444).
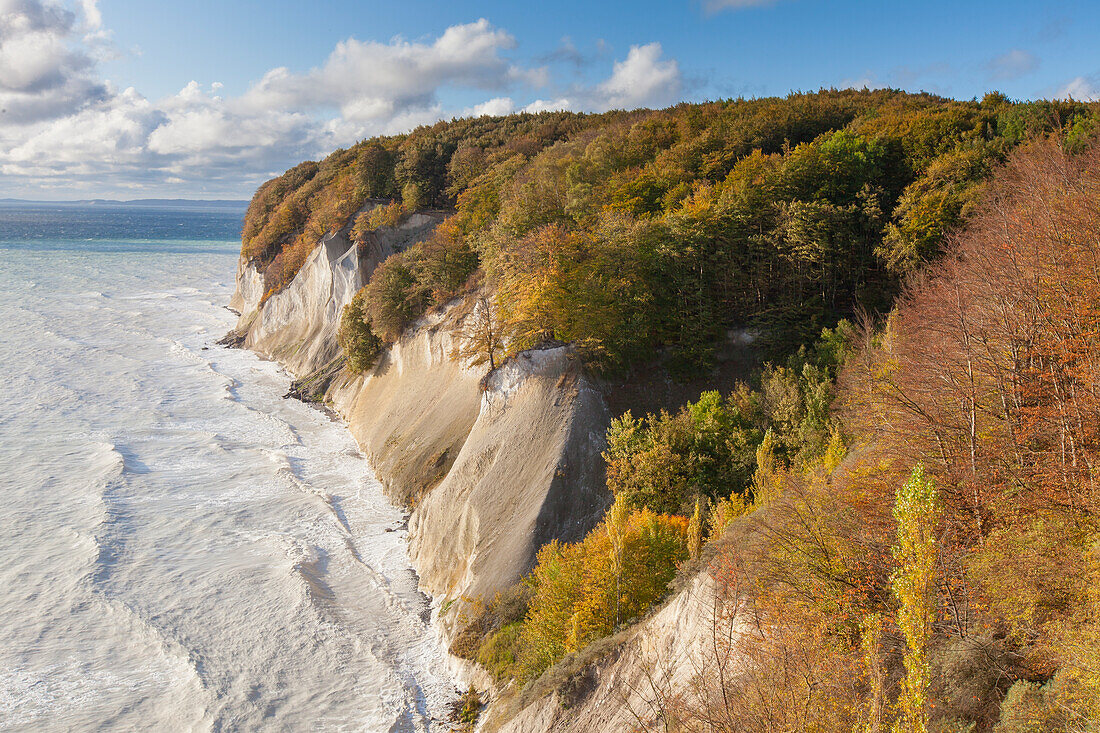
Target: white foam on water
(184, 549)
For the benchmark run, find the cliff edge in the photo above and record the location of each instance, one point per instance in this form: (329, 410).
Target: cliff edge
(491, 468)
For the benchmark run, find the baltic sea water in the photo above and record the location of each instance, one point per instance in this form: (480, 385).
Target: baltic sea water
(182, 548)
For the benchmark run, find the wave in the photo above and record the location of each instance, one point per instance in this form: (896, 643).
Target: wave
(226, 557)
(106, 464)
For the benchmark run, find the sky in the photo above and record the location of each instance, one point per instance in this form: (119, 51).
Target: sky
(209, 98)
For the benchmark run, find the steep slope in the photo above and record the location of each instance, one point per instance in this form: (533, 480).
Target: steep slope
(492, 473)
(527, 473)
(657, 664)
(492, 469)
(297, 325)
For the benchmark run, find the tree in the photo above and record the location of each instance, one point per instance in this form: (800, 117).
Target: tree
(478, 339)
(359, 342)
(695, 528)
(392, 299)
(584, 591)
(871, 642)
(917, 511)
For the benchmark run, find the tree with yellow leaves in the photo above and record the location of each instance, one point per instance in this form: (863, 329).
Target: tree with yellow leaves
(917, 511)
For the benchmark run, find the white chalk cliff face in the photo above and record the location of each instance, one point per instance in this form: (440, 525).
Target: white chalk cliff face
(297, 326)
(491, 471)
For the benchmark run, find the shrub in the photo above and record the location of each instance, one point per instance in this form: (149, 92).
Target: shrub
(664, 461)
(407, 283)
(391, 215)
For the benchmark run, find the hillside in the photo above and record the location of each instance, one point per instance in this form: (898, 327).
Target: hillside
(876, 508)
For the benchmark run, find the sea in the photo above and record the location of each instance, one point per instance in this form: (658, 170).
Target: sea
(181, 548)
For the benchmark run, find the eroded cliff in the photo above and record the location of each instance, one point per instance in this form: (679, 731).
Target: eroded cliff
(491, 468)
(297, 325)
(665, 665)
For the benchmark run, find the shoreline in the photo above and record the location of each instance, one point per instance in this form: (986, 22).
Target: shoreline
(459, 671)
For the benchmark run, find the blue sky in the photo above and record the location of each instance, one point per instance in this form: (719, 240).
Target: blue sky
(207, 99)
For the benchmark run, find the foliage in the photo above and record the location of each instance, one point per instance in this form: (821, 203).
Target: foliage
(468, 709)
(696, 528)
(631, 233)
(393, 298)
(289, 214)
(406, 284)
(391, 215)
(917, 511)
(359, 343)
(871, 646)
(984, 374)
(479, 339)
(665, 461)
(585, 590)
(712, 448)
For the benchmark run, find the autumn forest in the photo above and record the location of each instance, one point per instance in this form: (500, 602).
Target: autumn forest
(897, 496)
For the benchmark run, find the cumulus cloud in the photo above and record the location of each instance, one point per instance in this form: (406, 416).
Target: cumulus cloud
(42, 73)
(93, 19)
(57, 119)
(61, 125)
(1012, 65)
(371, 81)
(549, 105)
(493, 107)
(642, 79)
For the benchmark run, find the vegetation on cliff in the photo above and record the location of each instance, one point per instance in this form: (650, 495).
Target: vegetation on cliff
(903, 530)
(630, 232)
(944, 564)
(901, 513)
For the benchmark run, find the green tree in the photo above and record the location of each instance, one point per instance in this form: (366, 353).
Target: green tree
(359, 342)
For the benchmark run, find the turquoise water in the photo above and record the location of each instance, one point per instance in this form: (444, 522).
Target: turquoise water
(184, 549)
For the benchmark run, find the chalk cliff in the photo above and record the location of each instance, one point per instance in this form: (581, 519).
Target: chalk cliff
(663, 659)
(491, 469)
(297, 325)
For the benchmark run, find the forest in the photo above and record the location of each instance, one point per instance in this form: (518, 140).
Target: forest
(900, 503)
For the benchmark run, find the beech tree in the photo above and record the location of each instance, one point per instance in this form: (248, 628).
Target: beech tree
(478, 340)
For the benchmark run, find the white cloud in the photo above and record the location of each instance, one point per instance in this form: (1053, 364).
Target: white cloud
(1012, 65)
(370, 81)
(58, 122)
(494, 107)
(63, 127)
(42, 74)
(642, 79)
(546, 105)
(1083, 89)
(93, 19)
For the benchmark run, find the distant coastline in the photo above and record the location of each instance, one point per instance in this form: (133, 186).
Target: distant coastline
(232, 204)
